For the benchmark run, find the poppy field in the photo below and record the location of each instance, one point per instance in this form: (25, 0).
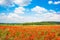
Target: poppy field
(30, 32)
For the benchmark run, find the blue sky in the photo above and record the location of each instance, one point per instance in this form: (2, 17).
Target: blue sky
(20, 11)
(44, 3)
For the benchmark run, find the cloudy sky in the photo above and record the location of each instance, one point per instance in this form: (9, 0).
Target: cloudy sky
(20, 11)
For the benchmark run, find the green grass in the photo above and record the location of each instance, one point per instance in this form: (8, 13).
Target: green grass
(32, 23)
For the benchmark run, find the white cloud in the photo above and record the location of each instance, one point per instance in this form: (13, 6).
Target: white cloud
(6, 3)
(14, 18)
(13, 2)
(57, 2)
(19, 10)
(51, 17)
(40, 14)
(11, 18)
(1, 1)
(51, 2)
(22, 2)
(39, 10)
(46, 15)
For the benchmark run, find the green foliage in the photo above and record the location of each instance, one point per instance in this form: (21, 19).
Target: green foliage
(11, 38)
(3, 34)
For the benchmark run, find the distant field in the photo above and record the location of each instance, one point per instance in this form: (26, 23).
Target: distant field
(32, 23)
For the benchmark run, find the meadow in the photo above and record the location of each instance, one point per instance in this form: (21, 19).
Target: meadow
(29, 32)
